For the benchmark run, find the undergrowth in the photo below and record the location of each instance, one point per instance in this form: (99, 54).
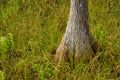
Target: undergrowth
(31, 30)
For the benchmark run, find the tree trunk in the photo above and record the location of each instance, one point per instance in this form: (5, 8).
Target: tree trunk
(77, 40)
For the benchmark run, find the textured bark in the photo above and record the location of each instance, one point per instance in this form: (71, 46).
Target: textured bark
(77, 40)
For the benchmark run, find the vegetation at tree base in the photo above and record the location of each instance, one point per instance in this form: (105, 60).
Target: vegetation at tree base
(31, 30)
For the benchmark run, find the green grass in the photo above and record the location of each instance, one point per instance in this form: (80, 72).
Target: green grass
(30, 32)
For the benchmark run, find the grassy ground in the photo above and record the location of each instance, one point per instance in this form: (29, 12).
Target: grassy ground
(30, 31)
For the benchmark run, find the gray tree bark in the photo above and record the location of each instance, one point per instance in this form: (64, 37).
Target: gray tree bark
(77, 40)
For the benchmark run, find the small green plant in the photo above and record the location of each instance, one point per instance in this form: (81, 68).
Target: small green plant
(99, 34)
(10, 41)
(35, 67)
(1, 75)
(6, 43)
(47, 69)
(111, 3)
(3, 45)
(46, 72)
(6, 46)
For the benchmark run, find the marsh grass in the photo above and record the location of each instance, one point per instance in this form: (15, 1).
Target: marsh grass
(30, 32)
